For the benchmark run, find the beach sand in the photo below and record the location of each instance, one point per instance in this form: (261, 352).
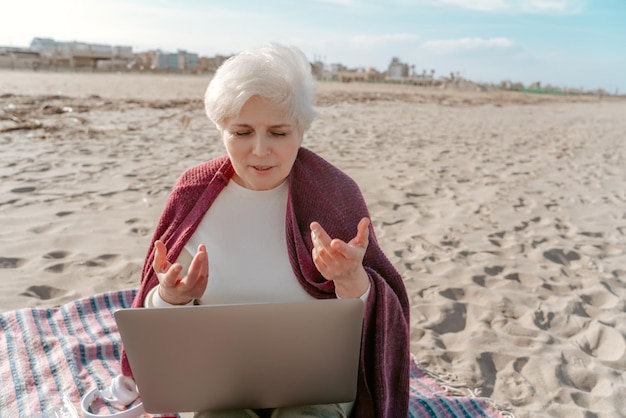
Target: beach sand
(504, 212)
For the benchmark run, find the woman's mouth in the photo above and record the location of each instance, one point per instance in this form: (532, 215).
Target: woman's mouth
(262, 168)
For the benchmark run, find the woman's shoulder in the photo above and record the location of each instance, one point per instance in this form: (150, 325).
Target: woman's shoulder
(314, 170)
(202, 174)
(322, 192)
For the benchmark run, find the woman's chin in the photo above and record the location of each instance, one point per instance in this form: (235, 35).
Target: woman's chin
(261, 184)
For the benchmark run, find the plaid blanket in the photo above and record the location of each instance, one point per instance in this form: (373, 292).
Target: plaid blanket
(50, 353)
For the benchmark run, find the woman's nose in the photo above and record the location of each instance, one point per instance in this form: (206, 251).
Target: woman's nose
(261, 145)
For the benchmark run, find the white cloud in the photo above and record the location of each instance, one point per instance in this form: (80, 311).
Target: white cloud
(519, 6)
(553, 6)
(480, 5)
(447, 46)
(489, 6)
(340, 2)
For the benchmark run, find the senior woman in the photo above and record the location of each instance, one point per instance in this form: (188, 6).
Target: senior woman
(273, 221)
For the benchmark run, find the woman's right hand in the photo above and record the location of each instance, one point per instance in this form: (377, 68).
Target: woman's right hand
(175, 288)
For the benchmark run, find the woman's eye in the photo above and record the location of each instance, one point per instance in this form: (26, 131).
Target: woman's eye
(279, 134)
(242, 133)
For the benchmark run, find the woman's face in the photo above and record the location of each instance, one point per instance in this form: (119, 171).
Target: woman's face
(262, 143)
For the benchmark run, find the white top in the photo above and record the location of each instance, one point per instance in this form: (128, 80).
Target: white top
(244, 233)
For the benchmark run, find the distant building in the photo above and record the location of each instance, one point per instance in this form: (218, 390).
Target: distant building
(43, 44)
(166, 61)
(143, 61)
(361, 74)
(80, 54)
(211, 64)
(336, 68)
(188, 61)
(15, 58)
(158, 60)
(181, 60)
(397, 70)
(48, 45)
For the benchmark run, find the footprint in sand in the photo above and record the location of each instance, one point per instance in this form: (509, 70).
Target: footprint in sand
(543, 320)
(494, 271)
(584, 400)
(479, 280)
(577, 377)
(55, 255)
(100, 260)
(142, 232)
(453, 319)
(137, 230)
(95, 206)
(9, 202)
(600, 298)
(557, 255)
(107, 257)
(453, 293)
(23, 189)
(41, 229)
(56, 268)
(528, 280)
(602, 342)
(517, 389)
(44, 292)
(11, 262)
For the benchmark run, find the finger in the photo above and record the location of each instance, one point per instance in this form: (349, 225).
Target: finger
(343, 249)
(348, 252)
(198, 269)
(319, 236)
(361, 240)
(362, 235)
(319, 262)
(198, 259)
(172, 276)
(160, 264)
(204, 263)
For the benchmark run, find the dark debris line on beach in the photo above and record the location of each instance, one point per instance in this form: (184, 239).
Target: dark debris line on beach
(25, 112)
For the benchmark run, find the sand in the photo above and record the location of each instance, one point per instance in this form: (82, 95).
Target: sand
(504, 212)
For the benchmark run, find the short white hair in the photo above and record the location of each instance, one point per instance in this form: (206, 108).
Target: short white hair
(278, 73)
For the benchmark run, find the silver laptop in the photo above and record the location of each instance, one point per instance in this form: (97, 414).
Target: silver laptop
(268, 355)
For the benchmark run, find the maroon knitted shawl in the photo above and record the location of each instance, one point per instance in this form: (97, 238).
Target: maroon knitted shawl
(320, 192)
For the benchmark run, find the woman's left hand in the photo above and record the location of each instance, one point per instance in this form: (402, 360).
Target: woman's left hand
(342, 262)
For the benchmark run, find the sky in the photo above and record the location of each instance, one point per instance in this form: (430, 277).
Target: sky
(564, 43)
